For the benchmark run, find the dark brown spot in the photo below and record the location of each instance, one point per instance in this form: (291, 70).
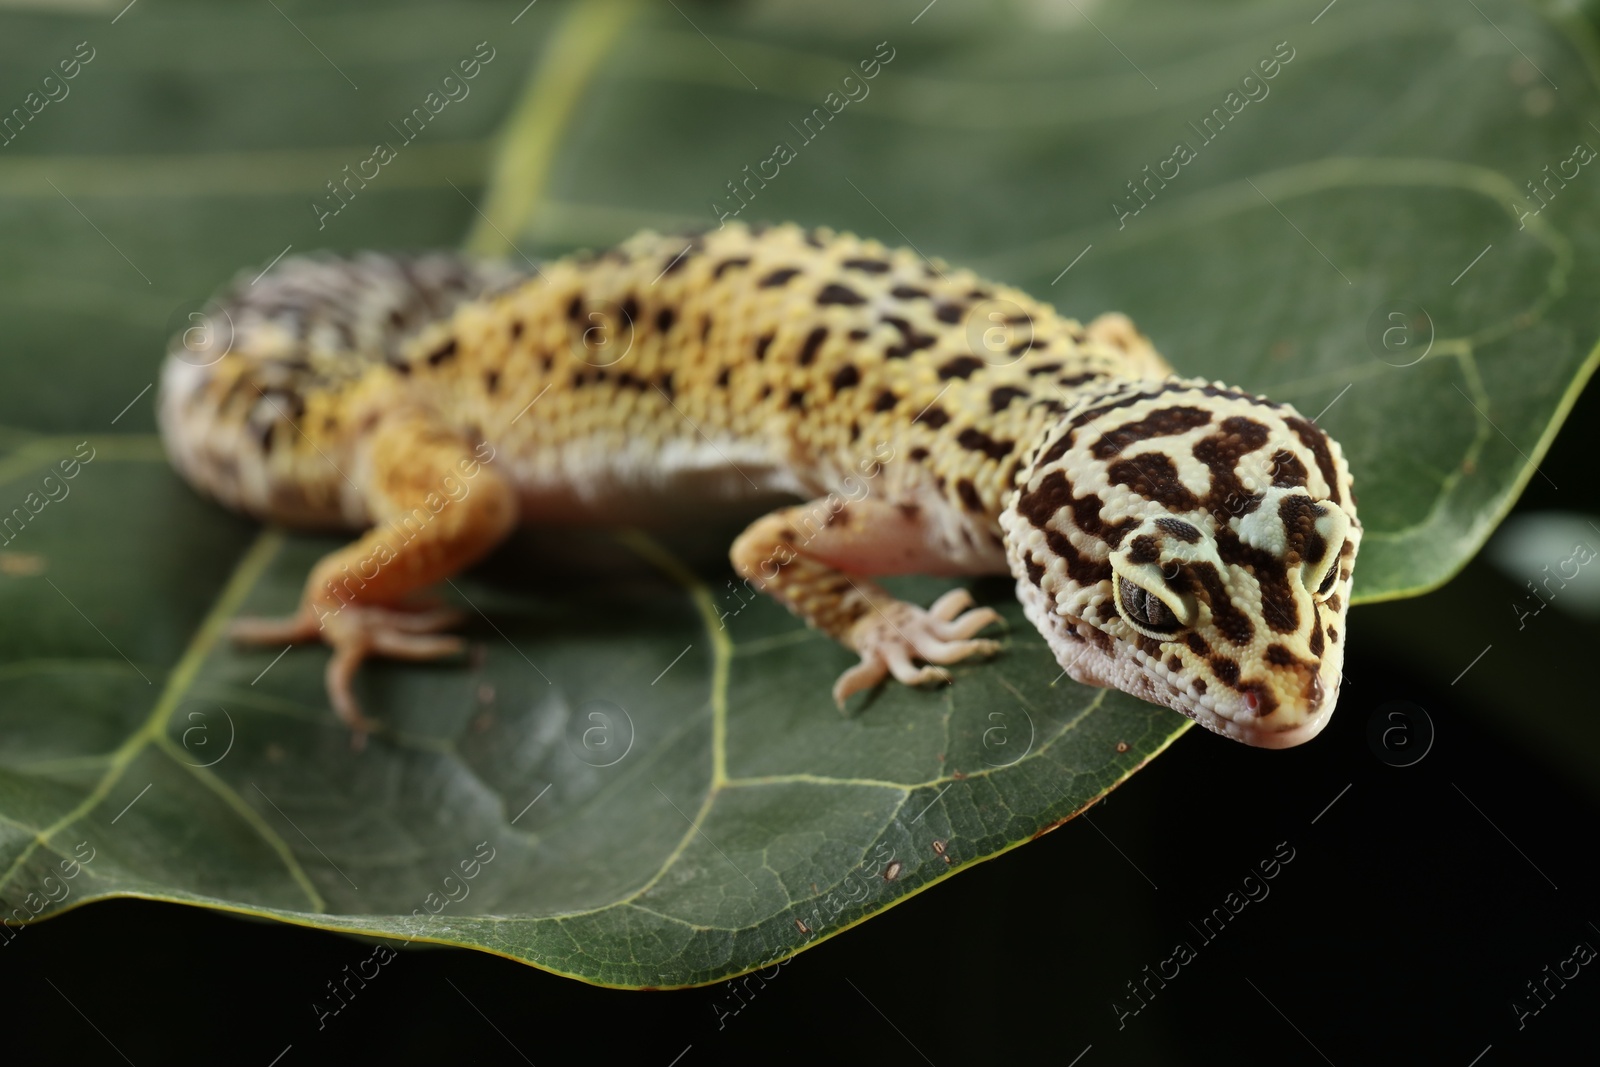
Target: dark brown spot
(1035, 572)
(777, 277)
(858, 334)
(1080, 568)
(960, 367)
(1234, 624)
(846, 376)
(932, 417)
(1054, 493)
(729, 264)
(918, 454)
(1333, 635)
(1139, 395)
(666, 384)
(1072, 381)
(1221, 453)
(870, 266)
(814, 339)
(491, 380)
(1001, 398)
(630, 311)
(1279, 656)
(1197, 644)
(1152, 476)
(1226, 670)
(1164, 423)
(1174, 664)
(908, 292)
(1043, 368)
(969, 494)
(978, 441)
(1299, 516)
(1334, 603)
(665, 318)
(762, 344)
(1287, 470)
(1278, 604)
(516, 329)
(722, 378)
(1200, 686)
(797, 398)
(913, 341)
(885, 402)
(1180, 529)
(1055, 451)
(444, 352)
(1143, 549)
(948, 313)
(1317, 442)
(705, 328)
(834, 293)
(575, 308)
(766, 391)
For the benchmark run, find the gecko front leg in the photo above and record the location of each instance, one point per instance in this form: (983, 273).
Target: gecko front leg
(437, 508)
(815, 558)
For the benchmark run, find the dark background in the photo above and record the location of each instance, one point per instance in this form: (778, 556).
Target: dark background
(1401, 932)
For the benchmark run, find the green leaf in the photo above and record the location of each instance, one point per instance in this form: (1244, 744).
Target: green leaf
(637, 778)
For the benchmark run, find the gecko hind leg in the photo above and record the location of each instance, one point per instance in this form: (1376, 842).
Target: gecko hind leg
(437, 510)
(814, 558)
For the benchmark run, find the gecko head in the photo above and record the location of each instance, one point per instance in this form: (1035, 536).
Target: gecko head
(1191, 544)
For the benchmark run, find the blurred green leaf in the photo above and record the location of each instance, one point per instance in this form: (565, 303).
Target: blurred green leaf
(644, 779)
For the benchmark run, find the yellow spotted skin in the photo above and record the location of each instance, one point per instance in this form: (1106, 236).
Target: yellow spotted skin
(432, 402)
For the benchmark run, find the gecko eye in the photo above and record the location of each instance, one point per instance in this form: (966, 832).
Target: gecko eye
(1146, 611)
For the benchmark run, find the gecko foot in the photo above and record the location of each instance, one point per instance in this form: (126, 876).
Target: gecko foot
(355, 632)
(890, 635)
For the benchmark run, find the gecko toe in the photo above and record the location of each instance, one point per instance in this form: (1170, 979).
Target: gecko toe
(950, 605)
(966, 625)
(864, 675)
(287, 629)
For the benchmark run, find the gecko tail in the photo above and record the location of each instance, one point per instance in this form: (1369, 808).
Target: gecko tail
(238, 372)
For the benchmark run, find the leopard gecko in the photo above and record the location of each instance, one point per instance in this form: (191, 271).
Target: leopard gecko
(1176, 538)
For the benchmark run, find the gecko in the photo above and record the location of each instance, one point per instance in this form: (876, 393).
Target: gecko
(1182, 540)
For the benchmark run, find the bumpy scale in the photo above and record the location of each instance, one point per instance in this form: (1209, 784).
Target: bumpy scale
(1179, 539)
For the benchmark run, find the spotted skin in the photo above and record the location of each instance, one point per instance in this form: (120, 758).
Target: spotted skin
(1181, 540)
